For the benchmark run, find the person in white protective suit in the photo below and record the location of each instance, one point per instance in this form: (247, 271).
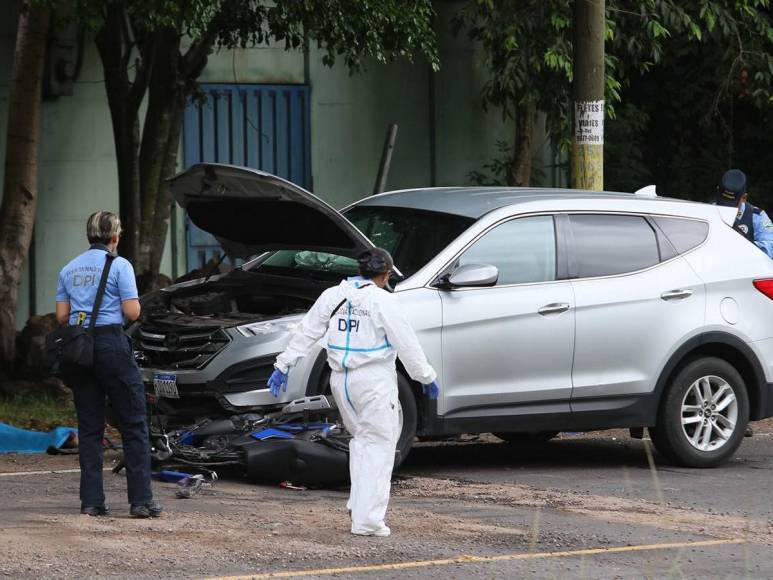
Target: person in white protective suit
(364, 331)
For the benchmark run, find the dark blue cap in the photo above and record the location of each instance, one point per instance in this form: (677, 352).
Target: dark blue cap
(731, 188)
(374, 262)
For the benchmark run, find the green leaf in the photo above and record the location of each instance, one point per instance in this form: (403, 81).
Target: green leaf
(696, 31)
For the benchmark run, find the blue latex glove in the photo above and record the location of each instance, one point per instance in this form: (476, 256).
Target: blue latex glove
(277, 382)
(432, 390)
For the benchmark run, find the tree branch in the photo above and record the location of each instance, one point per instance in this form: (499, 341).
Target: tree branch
(144, 70)
(127, 36)
(194, 58)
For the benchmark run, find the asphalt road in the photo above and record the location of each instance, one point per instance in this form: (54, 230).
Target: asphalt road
(730, 501)
(614, 465)
(576, 507)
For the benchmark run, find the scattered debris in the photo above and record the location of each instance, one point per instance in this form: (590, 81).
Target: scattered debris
(289, 485)
(195, 484)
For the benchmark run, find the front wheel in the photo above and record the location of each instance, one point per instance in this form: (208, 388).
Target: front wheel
(703, 415)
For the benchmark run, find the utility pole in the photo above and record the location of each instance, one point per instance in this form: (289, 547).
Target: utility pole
(588, 141)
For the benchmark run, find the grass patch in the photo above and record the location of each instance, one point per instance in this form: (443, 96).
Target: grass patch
(37, 412)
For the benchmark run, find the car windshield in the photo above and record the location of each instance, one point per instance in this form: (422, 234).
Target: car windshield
(412, 236)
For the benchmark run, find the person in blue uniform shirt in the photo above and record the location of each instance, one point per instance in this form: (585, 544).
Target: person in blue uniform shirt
(115, 374)
(751, 222)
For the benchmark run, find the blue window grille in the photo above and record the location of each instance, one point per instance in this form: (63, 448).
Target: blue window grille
(265, 127)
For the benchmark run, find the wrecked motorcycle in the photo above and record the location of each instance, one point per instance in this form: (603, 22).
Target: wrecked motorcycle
(303, 442)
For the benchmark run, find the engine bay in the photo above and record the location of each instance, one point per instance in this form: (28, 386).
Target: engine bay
(231, 299)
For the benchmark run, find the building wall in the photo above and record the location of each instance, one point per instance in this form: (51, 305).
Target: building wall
(465, 135)
(349, 119)
(77, 175)
(349, 115)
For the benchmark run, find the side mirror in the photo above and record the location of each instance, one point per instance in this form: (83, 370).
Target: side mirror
(473, 276)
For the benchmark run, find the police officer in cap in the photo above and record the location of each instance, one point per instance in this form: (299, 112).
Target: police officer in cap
(115, 374)
(751, 222)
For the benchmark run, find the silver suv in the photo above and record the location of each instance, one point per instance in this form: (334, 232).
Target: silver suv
(543, 310)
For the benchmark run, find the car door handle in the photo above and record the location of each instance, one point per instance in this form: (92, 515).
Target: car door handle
(555, 308)
(676, 294)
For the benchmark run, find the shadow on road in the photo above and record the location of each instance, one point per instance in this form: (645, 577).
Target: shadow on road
(568, 453)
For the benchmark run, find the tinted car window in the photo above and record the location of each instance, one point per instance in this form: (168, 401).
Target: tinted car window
(523, 250)
(683, 234)
(612, 244)
(412, 236)
(667, 250)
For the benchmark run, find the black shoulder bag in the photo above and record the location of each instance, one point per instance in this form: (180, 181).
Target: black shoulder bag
(70, 349)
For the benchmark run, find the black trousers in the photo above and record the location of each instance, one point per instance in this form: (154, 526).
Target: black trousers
(117, 377)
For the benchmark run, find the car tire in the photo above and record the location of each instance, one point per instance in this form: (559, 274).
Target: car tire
(408, 408)
(527, 437)
(410, 413)
(690, 432)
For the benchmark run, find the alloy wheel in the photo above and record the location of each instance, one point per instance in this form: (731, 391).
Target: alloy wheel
(709, 413)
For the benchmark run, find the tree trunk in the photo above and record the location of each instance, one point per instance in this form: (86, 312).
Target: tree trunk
(167, 77)
(520, 168)
(124, 98)
(20, 190)
(162, 91)
(173, 79)
(126, 134)
(164, 197)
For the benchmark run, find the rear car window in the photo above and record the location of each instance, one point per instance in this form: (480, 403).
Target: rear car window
(683, 234)
(605, 245)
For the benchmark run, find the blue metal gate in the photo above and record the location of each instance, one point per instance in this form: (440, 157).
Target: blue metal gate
(261, 126)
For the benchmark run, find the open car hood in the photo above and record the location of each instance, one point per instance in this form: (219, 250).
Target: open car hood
(251, 211)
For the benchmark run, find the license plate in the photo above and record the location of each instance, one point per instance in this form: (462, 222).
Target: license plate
(165, 385)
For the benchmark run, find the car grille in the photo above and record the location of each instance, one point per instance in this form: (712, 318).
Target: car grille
(246, 376)
(178, 349)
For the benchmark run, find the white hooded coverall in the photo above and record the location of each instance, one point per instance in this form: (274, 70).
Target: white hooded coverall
(363, 338)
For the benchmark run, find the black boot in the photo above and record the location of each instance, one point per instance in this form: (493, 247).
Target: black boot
(95, 510)
(151, 509)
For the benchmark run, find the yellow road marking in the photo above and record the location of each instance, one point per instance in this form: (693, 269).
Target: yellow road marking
(482, 559)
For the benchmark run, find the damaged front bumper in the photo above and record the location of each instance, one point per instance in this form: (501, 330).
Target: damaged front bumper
(233, 382)
(231, 391)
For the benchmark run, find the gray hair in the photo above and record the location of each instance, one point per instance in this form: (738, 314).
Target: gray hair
(102, 226)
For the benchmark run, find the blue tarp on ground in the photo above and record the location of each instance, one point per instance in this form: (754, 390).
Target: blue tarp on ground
(15, 440)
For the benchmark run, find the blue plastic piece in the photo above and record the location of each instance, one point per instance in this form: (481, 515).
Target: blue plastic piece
(169, 476)
(186, 438)
(269, 433)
